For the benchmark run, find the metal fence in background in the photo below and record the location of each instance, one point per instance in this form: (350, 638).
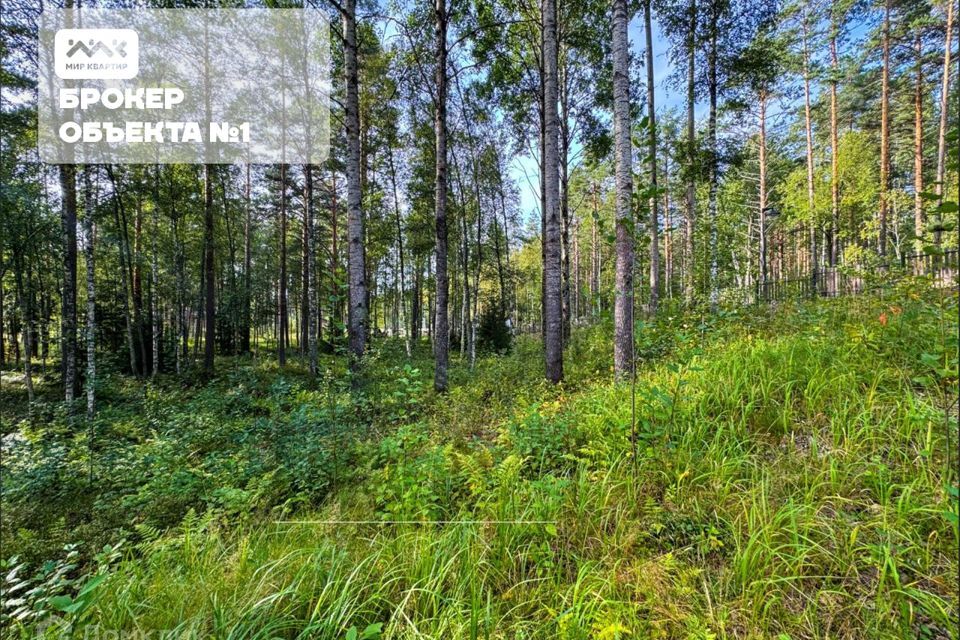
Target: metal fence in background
(829, 283)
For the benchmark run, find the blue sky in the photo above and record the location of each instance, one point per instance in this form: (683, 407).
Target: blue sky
(525, 170)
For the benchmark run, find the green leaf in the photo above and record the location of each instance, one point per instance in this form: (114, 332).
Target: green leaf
(372, 631)
(948, 207)
(91, 584)
(61, 603)
(351, 633)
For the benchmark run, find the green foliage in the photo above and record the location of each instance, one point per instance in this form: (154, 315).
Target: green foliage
(493, 334)
(790, 475)
(545, 442)
(55, 595)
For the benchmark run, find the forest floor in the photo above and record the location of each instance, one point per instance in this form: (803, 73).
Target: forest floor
(789, 475)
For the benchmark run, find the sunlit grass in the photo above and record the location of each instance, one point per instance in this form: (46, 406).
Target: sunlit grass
(791, 481)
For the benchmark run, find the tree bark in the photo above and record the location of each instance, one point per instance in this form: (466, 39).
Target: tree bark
(808, 126)
(247, 263)
(309, 281)
(120, 219)
(654, 222)
(356, 258)
(884, 130)
(303, 340)
(714, 177)
(564, 89)
(552, 271)
(623, 154)
(834, 150)
(26, 312)
(691, 210)
(136, 279)
(762, 99)
(918, 147)
(154, 282)
(3, 336)
(68, 314)
(944, 96)
(282, 312)
(180, 344)
(501, 276)
(208, 269)
(91, 329)
(595, 255)
(441, 334)
(401, 278)
(336, 312)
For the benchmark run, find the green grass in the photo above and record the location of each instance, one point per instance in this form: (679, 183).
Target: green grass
(788, 477)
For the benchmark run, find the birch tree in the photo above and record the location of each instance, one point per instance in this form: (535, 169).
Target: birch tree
(623, 160)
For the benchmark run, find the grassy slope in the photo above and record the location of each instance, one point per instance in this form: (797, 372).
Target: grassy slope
(787, 476)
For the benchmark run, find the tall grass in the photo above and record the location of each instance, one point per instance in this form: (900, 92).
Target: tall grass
(791, 481)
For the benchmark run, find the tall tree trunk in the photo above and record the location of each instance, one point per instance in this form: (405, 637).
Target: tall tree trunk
(303, 340)
(416, 302)
(691, 208)
(155, 281)
(3, 337)
(884, 130)
(136, 279)
(564, 88)
(808, 126)
(68, 314)
(283, 315)
(120, 219)
(336, 314)
(465, 306)
(512, 307)
(714, 177)
(91, 329)
(623, 154)
(247, 263)
(309, 282)
(595, 255)
(356, 258)
(180, 339)
(944, 108)
(654, 223)
(441, 335)
(501, 276)
(181, 277)
(762, 99)
(476, 272)
(918, 147)
(834, 149)
(401, 278)
(575, 297)
(553, 303)
(208, 270)
(543, 198)
(668, 251)
(26, 313)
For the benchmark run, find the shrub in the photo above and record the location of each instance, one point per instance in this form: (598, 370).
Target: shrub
(493, 334)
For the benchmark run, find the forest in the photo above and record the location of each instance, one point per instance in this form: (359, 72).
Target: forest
(601, 319)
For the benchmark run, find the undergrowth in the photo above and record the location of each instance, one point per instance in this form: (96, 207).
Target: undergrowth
(776, 473)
